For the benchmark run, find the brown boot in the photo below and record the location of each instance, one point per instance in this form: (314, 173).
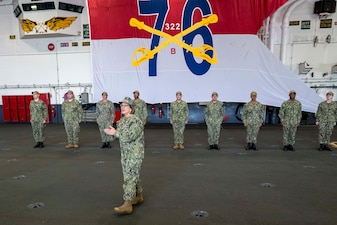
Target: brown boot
(126, 208)
(176, 146)
(181, 146)
(138, 199)
(76, 146)
(70, 145)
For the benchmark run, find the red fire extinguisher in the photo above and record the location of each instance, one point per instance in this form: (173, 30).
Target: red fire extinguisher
(53, 111)
(153, 109)
(160, 111)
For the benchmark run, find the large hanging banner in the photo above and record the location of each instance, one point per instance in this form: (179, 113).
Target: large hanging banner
(160, 47)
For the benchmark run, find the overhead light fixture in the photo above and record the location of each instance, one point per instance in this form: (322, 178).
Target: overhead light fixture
(38, 6)
(17, 11)
(70, 7)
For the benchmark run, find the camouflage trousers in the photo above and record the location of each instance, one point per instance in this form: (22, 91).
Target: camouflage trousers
(252, 132)
(101, 126)
(289, 133)
(325, 131)
(178, 132)
(73, 131)
(38, 131)
(213, 131)
(131, 173)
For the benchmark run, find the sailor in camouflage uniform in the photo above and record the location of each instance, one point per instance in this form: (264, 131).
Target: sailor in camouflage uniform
(179, 118)
(290, 115)
(130, 132)
(326, 116)
(214, 113)
(72, 115)
(140, 107)
(252, 118)
(105, 116)
(38, 118)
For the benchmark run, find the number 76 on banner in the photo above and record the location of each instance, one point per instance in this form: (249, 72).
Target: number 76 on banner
(189, 31)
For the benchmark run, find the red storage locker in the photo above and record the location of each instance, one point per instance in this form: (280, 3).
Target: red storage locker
(16, 108)
(5, 109)
(22, 115)
(28, 98)
(46, 98)
(13, 106)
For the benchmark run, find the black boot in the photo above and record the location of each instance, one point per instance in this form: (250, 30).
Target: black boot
(285, 147)
(216, 147)
(210, 147)
(254, 147)
(291, 148)
(249, 146)
(321, 147)
(103, 145)
(38, 144)
(108, 145)
(326, 147)
(41, 145)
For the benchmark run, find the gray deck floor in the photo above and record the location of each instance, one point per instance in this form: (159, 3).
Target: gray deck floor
(195, 186)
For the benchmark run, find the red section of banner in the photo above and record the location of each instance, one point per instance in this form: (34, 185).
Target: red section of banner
(109, 19)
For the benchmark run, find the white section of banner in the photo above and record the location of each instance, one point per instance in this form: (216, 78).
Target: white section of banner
(244, 65)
